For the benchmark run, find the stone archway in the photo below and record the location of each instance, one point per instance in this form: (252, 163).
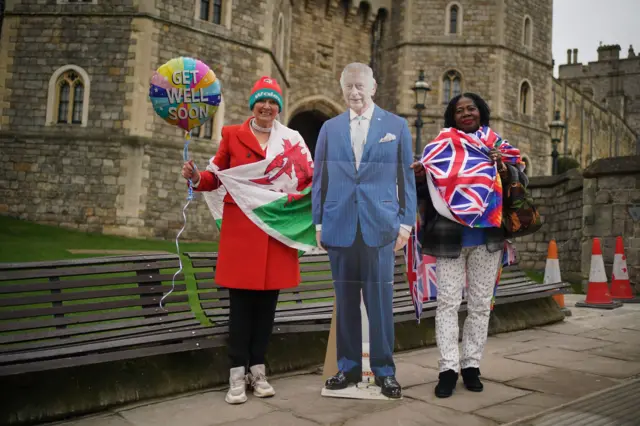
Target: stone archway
(308, 124)
(308, 116)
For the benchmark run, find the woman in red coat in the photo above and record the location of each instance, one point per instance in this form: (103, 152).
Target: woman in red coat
(251, 264)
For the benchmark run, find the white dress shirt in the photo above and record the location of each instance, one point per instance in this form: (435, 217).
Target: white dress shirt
(359, 125)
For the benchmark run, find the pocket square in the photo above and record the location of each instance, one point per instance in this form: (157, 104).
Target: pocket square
(388, 138)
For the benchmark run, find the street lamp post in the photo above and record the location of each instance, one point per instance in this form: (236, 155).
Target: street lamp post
(557, 128)
(420, 88)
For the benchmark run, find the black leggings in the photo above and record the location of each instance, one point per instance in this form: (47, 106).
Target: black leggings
(251, 321)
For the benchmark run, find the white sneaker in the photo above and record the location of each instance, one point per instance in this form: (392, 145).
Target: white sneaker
(258, 380)
(237, 386)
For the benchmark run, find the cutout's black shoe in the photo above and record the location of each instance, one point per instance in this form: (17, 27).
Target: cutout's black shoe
(471, 379)
(389, 386)
(447, 381)
(341, 381)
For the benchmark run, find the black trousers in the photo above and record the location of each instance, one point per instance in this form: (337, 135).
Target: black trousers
(250, 324)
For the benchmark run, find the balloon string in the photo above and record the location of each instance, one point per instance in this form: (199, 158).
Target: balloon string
(173, 280)
(185, 155)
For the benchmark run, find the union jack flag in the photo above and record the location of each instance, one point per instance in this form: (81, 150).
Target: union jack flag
(415, 273)
(510, 153)
(421, 273)
(465, 177)
(422, 278)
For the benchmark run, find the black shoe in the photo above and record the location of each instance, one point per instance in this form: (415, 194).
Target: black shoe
(446, 383)
(341, 381)
(389, 386)
(471, 379)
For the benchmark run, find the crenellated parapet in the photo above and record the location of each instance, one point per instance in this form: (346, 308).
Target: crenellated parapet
(355, 13)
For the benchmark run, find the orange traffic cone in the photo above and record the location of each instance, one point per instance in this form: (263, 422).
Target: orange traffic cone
(598, 290)
(620, 286)
(552, 275)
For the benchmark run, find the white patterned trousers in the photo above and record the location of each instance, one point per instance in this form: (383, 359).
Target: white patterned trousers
(481, 266)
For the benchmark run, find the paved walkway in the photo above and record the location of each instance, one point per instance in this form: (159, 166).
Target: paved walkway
(524, 373)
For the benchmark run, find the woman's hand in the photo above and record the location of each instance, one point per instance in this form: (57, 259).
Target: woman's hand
(190, 172)
(496, 157)
(419, 171)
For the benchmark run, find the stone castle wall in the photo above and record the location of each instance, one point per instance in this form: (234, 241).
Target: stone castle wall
(324, 41)
(577, 208)
(119, 186)
(37, 46)
(559, 199)
(611, 192)
(611, 81)
(593, 132)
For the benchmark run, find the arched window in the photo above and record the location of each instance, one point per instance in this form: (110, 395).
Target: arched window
(526, 98)
(527, 32)
(453, 19)
(280, 39)
(346, 5)
(363, 12)
(68, 97)
(451, 85)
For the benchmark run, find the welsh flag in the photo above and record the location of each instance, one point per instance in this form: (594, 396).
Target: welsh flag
(274, 193)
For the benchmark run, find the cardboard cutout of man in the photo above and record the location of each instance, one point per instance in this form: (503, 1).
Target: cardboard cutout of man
(364, 205)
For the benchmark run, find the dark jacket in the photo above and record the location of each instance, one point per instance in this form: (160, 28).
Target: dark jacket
(440, 237)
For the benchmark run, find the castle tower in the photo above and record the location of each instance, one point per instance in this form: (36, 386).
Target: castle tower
(612, 80)
(483, 47)
(329, 34)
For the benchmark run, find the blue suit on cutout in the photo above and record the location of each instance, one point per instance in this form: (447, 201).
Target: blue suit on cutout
(360, 212)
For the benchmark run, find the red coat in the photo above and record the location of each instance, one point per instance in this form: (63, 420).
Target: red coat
(248, 258)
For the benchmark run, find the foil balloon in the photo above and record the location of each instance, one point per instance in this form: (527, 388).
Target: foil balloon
(185, 93)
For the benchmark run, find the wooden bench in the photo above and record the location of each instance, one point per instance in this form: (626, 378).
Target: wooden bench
(309, 306)
(78, 312)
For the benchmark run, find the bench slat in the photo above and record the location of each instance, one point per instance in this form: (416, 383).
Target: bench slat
(109, 335)
(84, 319)
(92, 282)
(102, 260)
(88, 270)
(88, 307)
(87, 295)
(86, 348)
(190, 345)
(201, 255)
(208, 263)
(88, 329)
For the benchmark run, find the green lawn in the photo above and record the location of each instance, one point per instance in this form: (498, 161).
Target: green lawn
(22, 241)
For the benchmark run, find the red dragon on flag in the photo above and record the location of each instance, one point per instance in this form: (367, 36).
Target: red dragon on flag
(292, 160)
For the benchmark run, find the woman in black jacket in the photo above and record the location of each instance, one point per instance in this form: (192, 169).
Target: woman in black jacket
(463, 254)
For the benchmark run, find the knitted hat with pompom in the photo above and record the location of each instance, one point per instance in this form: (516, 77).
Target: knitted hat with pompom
(266, 88)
